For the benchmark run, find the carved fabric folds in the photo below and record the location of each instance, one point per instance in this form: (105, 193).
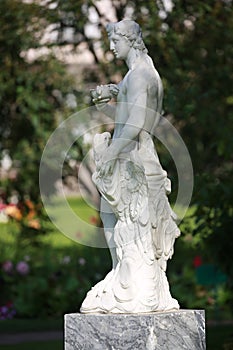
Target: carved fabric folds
(144, 234)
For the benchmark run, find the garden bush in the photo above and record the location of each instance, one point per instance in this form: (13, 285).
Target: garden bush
(51, 277)
(51, 281)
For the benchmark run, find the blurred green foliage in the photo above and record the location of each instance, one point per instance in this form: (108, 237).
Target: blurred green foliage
(32, 92)
(58, 272)
(32, 99)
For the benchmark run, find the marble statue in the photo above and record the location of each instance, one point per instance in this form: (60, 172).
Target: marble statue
(139, 224)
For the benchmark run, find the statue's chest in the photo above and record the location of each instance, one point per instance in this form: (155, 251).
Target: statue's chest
(122, 95)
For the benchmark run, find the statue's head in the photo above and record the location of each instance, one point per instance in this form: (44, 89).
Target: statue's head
(128, 33)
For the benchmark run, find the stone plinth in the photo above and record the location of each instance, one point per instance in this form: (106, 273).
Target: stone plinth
(176, 330)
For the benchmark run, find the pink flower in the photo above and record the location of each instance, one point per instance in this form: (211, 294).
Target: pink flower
(82, 261)
(66, 260)
(7, 311)
(23, 268)
(2, 206)
(7, 266)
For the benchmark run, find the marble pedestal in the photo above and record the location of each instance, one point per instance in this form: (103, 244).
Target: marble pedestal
(176, 330)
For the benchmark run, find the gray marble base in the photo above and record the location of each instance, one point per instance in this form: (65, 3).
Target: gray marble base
(176, 330)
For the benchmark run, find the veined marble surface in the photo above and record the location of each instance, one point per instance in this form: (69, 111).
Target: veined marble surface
(174, 330)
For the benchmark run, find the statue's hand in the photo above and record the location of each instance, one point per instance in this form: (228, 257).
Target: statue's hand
(100, 103)
(114, 89)
(103, 94)
(99, 98)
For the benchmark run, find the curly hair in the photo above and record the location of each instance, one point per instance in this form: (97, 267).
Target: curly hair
(130, 30)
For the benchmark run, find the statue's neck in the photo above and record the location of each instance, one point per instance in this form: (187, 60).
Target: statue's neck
(133, 57)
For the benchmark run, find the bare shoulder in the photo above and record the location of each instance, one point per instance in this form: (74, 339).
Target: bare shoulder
(143, 76)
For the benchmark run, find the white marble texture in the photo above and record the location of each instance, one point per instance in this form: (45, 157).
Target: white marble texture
(174, 330)
(139, 223)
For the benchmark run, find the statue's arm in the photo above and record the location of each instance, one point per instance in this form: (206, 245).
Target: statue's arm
(133, 125)
(106, 108)
(137, 102)
(130, 131)
(133, 117)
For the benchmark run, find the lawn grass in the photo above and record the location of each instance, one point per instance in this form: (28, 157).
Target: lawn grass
(7, 241)
(73, 218)
(54, 238)
(51, 345)
(219, 336)
(81, 208)
(30, 325)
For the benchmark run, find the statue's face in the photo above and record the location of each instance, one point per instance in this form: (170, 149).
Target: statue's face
(120, 46)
